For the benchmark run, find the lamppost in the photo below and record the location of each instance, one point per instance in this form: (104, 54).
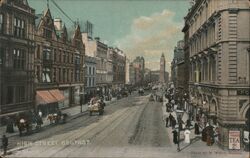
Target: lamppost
(81, 100)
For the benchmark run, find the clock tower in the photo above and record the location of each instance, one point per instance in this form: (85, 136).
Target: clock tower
(162, 69)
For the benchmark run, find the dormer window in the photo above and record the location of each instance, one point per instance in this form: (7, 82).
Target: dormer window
(47, 33)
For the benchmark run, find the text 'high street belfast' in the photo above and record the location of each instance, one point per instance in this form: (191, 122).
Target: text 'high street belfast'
(125, 78)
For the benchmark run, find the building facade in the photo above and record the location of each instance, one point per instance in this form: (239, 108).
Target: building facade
(119, 63)
(17, 47)
(178, 74)
(99, 50)
(162, 69)
(139, 65)
(59, 60)
(90, 77)
(219, 65)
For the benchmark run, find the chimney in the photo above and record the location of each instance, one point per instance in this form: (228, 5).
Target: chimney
(58, 23)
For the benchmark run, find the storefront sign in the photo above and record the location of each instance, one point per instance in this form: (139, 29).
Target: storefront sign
(234, 140)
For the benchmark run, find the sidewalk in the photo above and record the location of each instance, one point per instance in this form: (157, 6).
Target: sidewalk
(199, 148)
(73, 112)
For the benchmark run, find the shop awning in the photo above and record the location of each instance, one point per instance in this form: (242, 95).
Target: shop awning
(44, 97)
(57, 94)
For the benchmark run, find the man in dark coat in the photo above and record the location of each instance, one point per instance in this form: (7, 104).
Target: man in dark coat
(173, 123)
(175, 137)
(171, 119)
(5, 144)
(196, 129)
(10, 125)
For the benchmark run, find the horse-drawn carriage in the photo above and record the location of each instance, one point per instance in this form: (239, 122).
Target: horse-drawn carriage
(96, 105)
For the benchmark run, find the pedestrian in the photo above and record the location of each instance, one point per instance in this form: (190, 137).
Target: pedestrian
(175, 137)
(187, 136)
(171, 119)
(5, 144)
(10, 125)
(173, 123)
(167, 118)
(40, 113)
(188, 123)
(196, 129)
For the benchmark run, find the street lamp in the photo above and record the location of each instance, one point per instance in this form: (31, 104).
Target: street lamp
(81, 100)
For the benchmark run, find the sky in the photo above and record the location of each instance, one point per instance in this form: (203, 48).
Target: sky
(145, 28)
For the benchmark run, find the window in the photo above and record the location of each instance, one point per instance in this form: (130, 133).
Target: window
(93, 71)
(47, 54)
(38, 51)
(47, 33)
(38, 73)
(54, 76)
(46, 76)
(64, 57)
(89, 73)
(60, 77)
(55, 55)
(64, 75)
(2, 53)
(77, 59)
(90, 85)
(20, 94)
(1, 23)
(19, 59)
(77, 75)
(10, 95)
(19, 28)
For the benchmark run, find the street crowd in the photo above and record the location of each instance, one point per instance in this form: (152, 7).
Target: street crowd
(180, 119)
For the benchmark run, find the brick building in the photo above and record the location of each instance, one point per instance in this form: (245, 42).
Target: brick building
(59, 59)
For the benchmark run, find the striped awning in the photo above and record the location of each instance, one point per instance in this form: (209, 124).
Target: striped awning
(57, 94)
(44, 97)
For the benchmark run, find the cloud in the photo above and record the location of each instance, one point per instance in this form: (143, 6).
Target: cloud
(151, 36)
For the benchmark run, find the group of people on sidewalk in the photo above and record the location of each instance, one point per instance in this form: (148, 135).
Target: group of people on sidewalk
(201, 127)
(23, 121)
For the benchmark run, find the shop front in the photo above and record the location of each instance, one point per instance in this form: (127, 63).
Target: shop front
(47, 101)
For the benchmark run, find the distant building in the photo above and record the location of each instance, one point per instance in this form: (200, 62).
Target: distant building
(90, 77)
(99, 50)
(155, 76)
(177, 65)
(162, 78)
(127, 72)
(139, 65)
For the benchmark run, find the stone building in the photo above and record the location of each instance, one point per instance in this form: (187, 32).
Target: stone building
(90, 77)
(139, 65)
(99, 50)
(119, 63)
(17, 23)
(176, 65)
(59, 60)
(162, 69)
(219, 65)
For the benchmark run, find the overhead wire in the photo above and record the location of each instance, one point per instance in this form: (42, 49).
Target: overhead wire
(61, 10)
